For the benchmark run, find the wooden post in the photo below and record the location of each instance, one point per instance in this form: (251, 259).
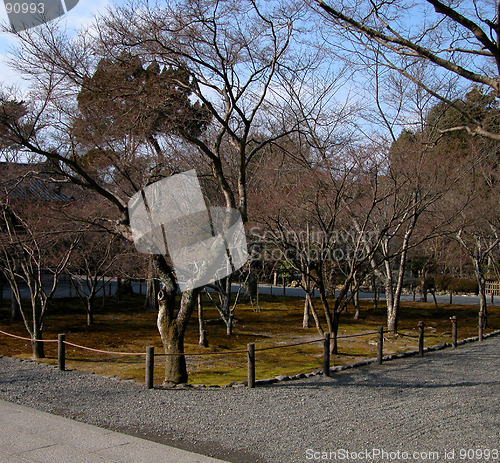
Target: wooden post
(454, 332)
(326, 355)
(251, 365)
(380, 345)
(150, 366)
(421, 338)
(480, 327)
(61, 352)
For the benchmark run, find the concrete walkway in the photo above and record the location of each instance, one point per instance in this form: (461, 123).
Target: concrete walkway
(29, 435)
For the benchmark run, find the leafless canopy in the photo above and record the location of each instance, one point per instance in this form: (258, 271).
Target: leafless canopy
(459, 41)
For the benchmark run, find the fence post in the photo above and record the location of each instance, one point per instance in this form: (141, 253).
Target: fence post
(380, 345)
(454, 332)
(150, 366)
(251, 365)
(61, 352)
(326, 355)
(421, 338)
(481, 327)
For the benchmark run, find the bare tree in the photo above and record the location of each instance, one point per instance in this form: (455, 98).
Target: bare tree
(93, 260)
(35, 255)
(219, 59)
(458, 41)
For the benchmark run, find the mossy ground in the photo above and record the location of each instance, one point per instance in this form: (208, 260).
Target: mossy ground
(123, 326)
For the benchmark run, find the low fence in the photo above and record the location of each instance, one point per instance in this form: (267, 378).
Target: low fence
(251, 350)
(493, 288)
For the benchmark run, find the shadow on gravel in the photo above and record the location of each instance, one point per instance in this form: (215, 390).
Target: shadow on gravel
(430, 372)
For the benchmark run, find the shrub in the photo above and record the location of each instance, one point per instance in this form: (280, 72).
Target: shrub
(457, 285)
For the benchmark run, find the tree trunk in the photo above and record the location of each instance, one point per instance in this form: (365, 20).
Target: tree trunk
(173, 342)
(423, 286)
(91, 302)
(305, 318)
(315, 316)
(224, 308)
(36, 345)
(118, 292)
(335, 330)
(433, 292)
(252, 287)
(393, 313)
(151, 300)
(375, 292)
(15, 310)
(175, 362)
(90, 313)
(483, 306)
(203, 341)
(307, 287)
(152, 288)
(392, 320)
(356, 304)
(172, 330)
(392, 306)
(481, 283)
(229, 325)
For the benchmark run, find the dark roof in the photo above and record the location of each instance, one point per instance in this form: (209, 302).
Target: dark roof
(29, 181)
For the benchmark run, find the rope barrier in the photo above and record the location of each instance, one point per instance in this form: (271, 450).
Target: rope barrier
(27, 339)
(358, 335)
(102, 351)
(192, 354)
(203, 353)
(289, 345)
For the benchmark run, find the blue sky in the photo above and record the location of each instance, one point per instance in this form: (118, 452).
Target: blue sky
(80, 15)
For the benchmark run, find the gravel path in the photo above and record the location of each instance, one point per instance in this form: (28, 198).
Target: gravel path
(446, 401)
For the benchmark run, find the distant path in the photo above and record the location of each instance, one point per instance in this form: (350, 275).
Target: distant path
(441, 299)
(446, 401)
(63, 291)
